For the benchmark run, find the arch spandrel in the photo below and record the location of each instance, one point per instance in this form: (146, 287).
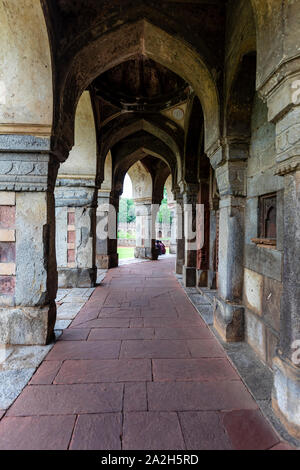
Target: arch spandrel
(83, 156)
(26, 88)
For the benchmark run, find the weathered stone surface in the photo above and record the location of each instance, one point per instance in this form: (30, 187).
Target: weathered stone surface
(255, 333)
(26, 325)
(253, 291)
(68, 311)
(32, 247)
(25, 357)
(229, 320)
(61, 235)
(271, 301)
(265, 262)
(12, 383)
(76, 277)
(286, 394)
(189, 276)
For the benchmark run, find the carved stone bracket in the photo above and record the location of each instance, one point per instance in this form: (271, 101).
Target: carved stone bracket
(231, 178)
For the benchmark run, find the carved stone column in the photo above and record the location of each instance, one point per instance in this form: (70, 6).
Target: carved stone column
(214, 234)
(173, 241)
(230, 165)
(112, 242)
(146, 214)
(28, 274)
(75, 201)
(179, 233)
(203, 227)
(190, 201)
(106, 257)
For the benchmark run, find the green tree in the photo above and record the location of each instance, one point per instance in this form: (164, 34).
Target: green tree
(126, 211)
(164, 215)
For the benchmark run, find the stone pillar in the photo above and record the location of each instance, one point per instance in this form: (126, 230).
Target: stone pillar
(203, 228)
(75, 200)
(173, 241)
(190, 201)
(107, 253)
(229, 311)
(213, 245)
(286, 364)
(179, 233)
(282, 94)
(146, 214)
(28, 274)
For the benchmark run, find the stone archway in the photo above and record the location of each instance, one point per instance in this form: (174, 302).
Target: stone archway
(128, 41)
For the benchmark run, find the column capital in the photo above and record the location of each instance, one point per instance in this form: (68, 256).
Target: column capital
(75, 191)
(281, 89)
(231, 178)
(229, 149)
(188, 188)
(26, 164)
(145, 201)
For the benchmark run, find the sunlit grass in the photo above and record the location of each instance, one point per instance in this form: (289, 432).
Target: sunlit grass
(126, 252)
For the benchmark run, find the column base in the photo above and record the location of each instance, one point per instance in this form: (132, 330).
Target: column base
(107, 261)
(27, 326)
(202, 278)
(229, 320)
(173, 249)
(189, 276)
(75, 277)
(140, 252)
(179, 267)
(212, 280)
(286, 394)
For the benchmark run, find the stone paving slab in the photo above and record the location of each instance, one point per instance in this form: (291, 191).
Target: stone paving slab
(19, 363)
(72, 350)
(36, 433)
(68, 311)
(48, 400)
(154, 348)
(147, 431)
(99, 334)
(138, 368)
(126, 370)
(174, 370)
(204, 431)
(98, 432)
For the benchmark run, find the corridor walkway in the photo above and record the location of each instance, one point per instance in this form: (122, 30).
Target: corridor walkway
(137, 369)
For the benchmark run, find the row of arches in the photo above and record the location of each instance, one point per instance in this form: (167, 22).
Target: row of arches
(66, 148)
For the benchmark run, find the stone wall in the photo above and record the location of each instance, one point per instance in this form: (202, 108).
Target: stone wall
(263, 266)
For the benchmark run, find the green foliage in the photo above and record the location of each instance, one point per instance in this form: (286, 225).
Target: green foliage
(164, 215)
(126, 211)
(122, 234)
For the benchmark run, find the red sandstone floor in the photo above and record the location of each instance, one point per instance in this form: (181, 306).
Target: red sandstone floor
(137, 369)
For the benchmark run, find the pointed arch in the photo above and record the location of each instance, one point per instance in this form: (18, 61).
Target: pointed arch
(124, 43)
(115, 135)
